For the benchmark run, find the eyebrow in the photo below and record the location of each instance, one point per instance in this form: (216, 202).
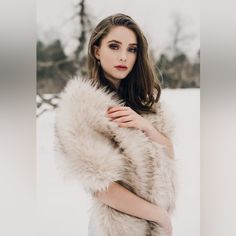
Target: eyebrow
(115, 41)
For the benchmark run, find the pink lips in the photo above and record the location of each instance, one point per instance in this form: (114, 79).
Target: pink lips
(121, 67)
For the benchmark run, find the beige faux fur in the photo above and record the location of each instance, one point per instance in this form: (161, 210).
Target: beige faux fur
(97, 152)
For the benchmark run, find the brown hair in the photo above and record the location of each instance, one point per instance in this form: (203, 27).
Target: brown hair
(137, 89)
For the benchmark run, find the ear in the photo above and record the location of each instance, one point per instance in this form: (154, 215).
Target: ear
(97, 52)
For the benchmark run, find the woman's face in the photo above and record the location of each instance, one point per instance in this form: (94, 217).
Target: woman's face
(117, 53)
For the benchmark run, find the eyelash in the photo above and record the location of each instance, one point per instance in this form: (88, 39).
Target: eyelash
(115, 47)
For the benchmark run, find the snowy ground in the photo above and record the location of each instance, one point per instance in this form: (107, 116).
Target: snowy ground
(63, 207)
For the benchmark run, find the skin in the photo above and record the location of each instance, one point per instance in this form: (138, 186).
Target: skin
(119, 48)
(127, 118)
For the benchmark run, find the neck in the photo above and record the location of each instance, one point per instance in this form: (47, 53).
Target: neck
(115, 82)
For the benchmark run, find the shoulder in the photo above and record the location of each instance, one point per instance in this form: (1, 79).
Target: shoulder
(77, 87)
(81, 102)
(85, 91)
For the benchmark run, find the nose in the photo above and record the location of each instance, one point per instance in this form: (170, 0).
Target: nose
(123, 56)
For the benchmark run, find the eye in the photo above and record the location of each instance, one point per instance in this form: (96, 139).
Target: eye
(133, 50)
(113, 46)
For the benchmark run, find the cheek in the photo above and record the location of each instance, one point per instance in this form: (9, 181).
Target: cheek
(133, 59)
(107, 56)
(107, 61)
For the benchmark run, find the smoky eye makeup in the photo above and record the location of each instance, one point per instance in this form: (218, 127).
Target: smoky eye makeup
(116, 47)
(133, 49)
(113, 46)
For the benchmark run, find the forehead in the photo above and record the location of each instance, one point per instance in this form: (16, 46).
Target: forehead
(121, 34)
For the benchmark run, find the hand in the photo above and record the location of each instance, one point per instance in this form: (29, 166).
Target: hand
(126, 117)
(164, 221)
(167, 227)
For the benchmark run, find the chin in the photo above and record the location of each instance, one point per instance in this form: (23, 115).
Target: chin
(120, 76)
(123, 77)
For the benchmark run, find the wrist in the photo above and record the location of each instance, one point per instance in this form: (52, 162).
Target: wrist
(148, 128)
(161, 216)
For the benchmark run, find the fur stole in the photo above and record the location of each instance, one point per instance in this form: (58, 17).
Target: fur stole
(96, 151)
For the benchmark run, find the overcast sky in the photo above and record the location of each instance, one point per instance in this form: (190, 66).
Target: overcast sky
(153, 16)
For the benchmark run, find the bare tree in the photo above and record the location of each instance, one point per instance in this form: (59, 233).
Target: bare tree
(179, 37)
(42, 100)
(62, 69)
(83, 19)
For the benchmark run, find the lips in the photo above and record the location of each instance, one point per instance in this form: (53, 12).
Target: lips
(121, 67)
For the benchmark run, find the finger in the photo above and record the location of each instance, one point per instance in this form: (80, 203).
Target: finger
(117, 108)
(123, 119)
(116, 114)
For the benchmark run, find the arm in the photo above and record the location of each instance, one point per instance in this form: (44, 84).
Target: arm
(156, 136)
(127, 202)
(126, 117)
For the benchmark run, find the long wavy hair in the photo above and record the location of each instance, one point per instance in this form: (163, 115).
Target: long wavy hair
(141, 88)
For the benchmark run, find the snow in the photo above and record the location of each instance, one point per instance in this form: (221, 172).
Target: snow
(64, 207)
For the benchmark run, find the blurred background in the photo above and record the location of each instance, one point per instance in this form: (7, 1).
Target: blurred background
(173, 32)
(64, 27)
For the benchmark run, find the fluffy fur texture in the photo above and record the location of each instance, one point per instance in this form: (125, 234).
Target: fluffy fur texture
(97, 152)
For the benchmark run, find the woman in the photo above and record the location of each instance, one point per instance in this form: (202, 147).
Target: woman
(113, 135)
